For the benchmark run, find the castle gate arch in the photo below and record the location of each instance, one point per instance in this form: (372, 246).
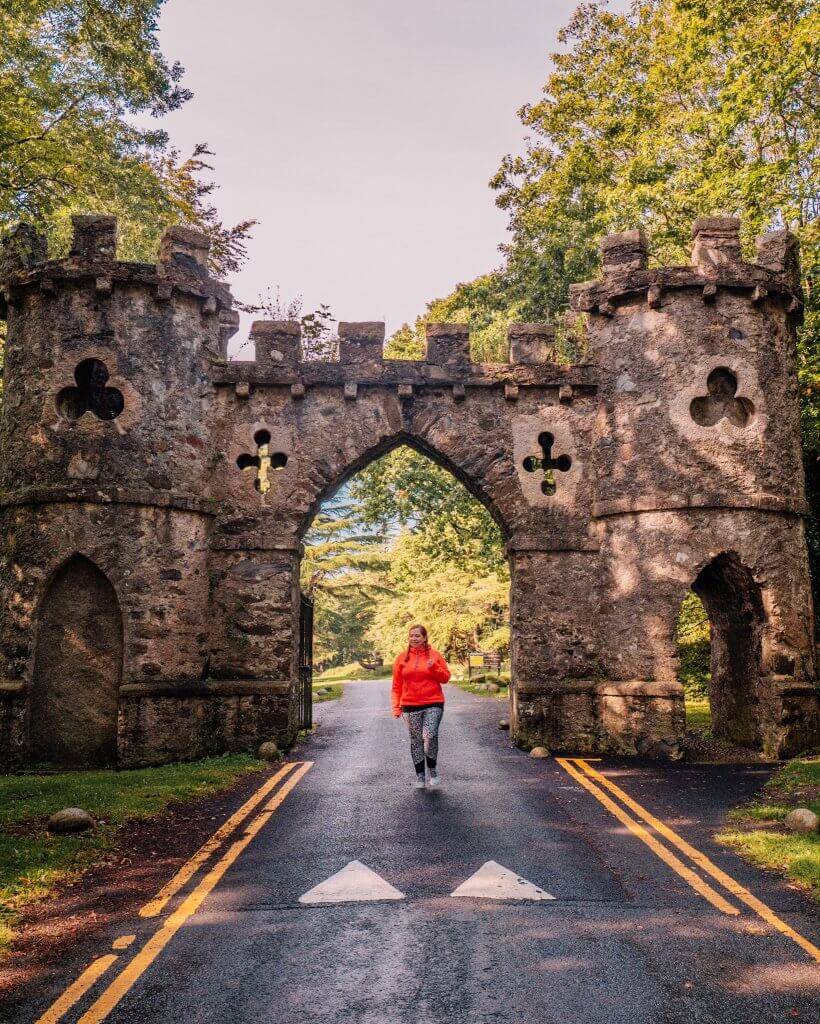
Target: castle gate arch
(672, 437)
(77, 668)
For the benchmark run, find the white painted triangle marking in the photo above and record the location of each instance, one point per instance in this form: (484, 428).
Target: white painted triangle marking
(355, 883)
(493, 881)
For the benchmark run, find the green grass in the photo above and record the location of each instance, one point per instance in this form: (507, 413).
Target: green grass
(756, 828)
(336, 691)
(353, 671)
(470, 685)
(34, 863)
(698, 715)
(692, 635)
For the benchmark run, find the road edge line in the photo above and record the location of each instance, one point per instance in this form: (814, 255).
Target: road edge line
(77, 989)
(735, 888)
(160, 899)
(120, 985)
(660, 851)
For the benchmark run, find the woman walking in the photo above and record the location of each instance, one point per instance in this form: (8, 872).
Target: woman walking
(418, 674)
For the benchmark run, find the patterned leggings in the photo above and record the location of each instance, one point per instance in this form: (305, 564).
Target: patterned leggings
(423, 727)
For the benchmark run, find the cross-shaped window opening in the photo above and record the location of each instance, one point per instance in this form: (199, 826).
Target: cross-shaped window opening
(262, 462)
(547, 463)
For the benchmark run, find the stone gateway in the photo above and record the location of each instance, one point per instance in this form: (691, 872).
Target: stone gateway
(155, 494)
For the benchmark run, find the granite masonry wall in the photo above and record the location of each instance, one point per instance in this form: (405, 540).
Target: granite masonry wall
(171, 489)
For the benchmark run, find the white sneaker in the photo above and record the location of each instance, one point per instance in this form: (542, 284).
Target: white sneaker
(434, 781)
(419, 782)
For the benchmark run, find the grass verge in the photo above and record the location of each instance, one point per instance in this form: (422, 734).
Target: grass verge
(756, 829)
(353, 671)
(475, 685)
(33, 863)
(698, 715)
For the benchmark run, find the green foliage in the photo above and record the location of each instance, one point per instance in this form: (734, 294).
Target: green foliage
(353, 670)
(675, 109)
(334, 692)
(486, 304)
(698, 714)
(342, 570)
(34, 863)
(694, 650)
(477, 683)
(451, 527)
(405, 542)
(458, 608)
(73, 73)
(797, 856)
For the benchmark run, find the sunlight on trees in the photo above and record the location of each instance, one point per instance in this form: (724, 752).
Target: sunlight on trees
(402, 542)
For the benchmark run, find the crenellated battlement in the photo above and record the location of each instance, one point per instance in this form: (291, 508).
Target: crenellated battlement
(181, 268)
(717, 265)
(169, 489)
(278, 343)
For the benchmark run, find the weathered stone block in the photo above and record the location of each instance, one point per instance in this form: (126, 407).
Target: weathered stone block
(277, 342)
(531, 344)
(779, 251)
(624, 252)
(448, 344)
(361, 342)
(716, 244)
(185, 249)
(22, 248)
(95, 237)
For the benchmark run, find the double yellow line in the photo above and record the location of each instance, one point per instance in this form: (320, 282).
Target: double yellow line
(598, 785)
(109, 998)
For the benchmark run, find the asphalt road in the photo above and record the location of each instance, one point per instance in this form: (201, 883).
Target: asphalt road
(626, 938)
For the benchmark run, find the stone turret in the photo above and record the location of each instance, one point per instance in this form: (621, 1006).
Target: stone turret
(699, 477)
(155, 496)
(106, 453)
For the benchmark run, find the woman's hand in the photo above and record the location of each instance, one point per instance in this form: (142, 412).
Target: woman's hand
(397, 714)
(429, 662)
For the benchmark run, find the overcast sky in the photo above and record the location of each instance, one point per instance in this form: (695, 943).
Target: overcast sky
(362, 135)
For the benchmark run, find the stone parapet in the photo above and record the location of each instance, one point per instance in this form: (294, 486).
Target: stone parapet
(594, 716)
(181, 267)
(394, 372)
(182, 721)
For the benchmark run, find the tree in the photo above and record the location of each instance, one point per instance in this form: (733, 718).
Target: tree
(342, 570)
(673, 110)
(450, 526)
(461, 611)
(73, 75)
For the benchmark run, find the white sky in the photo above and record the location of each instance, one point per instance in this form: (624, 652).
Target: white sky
(362, 135)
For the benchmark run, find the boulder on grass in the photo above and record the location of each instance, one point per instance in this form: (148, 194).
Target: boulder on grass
(493, 687)
(268, 751)
(503, 723)
(539, 752)
(70, 819)
(801, 819)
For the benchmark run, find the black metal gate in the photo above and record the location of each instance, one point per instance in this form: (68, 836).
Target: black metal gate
(306, 664)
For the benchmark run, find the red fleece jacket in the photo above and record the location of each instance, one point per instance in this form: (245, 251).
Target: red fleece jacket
(417, 679)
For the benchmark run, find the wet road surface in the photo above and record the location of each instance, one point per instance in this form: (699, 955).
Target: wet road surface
(627, 937)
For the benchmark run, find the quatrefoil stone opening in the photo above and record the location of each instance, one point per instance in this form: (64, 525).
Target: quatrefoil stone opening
(262, 462)
(721, 401)
(547, 463)
(89, 393)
